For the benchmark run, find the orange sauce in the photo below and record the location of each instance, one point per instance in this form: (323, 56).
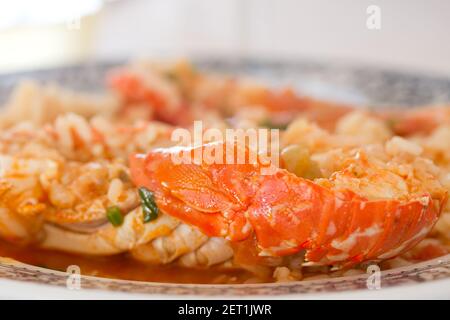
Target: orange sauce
(121, 267)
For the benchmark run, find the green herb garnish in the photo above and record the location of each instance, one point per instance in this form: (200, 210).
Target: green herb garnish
(271, 125)
(149, 207)
(114, 216)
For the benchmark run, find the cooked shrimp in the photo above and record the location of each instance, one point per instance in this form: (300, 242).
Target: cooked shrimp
(146, 87)
(337, 220)
(165, 92)
(417, 121)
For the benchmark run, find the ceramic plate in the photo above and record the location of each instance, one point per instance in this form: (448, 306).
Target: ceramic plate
(358, 85)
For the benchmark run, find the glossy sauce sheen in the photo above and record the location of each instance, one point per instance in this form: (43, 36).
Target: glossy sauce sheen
(120, 267)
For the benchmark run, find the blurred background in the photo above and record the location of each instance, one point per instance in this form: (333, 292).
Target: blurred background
(414, 34)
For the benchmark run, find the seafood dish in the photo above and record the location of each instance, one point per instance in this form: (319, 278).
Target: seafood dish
(174, 174)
